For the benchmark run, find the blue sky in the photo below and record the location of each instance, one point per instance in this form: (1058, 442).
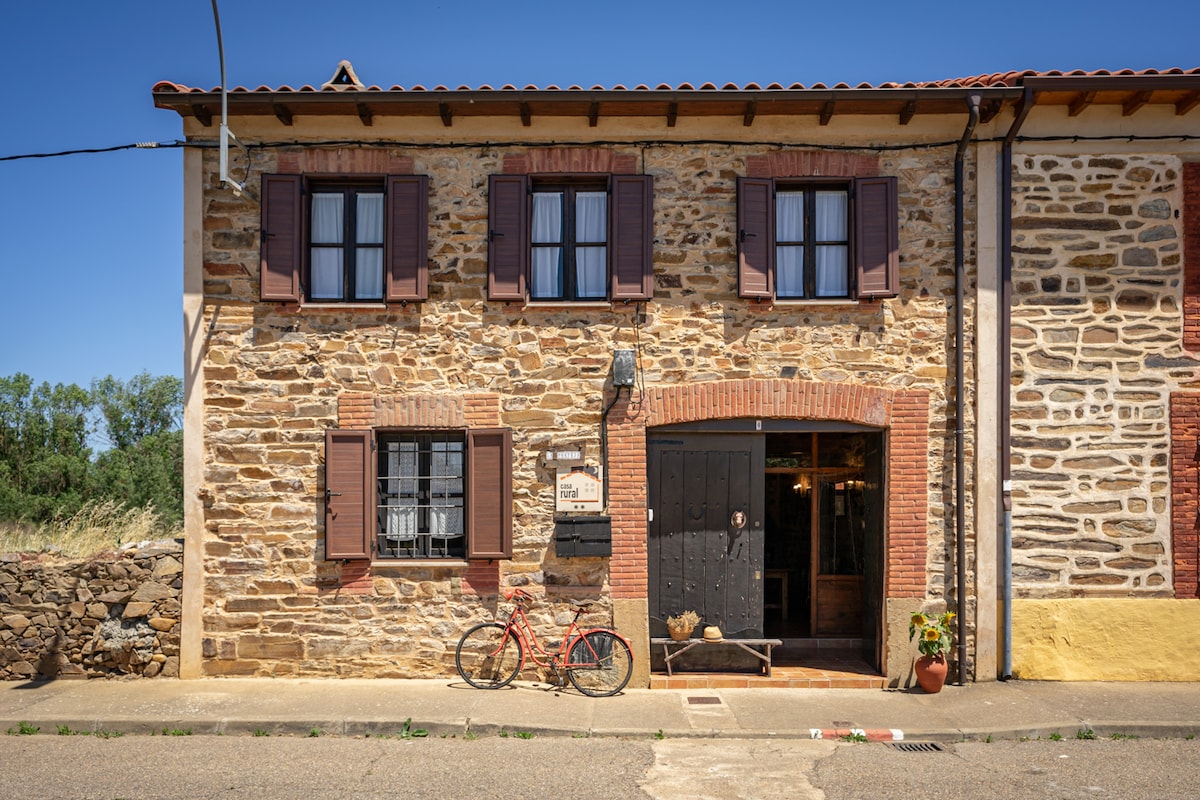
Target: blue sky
(91, 245)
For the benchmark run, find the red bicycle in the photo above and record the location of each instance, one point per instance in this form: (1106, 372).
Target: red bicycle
(597, 661)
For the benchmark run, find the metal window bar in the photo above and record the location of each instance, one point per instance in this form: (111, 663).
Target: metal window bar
(421, 509)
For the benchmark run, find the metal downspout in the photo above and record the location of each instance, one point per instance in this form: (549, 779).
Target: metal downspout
(960, 533)
(1006, 593)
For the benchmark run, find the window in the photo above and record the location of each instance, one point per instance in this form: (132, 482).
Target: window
(418, 494)
(818, 238)
(345, 253)
(570, 243)
(570, 239)
(358, 239)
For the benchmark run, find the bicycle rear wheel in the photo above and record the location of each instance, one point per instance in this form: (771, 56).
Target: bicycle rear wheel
(488, 656)
(599, 664)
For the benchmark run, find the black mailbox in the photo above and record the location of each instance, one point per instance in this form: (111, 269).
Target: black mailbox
(582, 536)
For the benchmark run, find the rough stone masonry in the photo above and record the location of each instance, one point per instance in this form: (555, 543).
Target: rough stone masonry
(114, 614)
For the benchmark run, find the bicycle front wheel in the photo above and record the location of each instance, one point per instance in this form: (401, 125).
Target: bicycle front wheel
(488, 656)
(599, 664)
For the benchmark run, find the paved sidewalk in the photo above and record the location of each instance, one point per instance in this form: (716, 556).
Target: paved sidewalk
(356, 707)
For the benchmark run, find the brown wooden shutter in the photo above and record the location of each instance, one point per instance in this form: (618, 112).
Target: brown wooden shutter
(349, 494)
(756, 238)
(876, 237)
(407, 237)
(489, 493)
(508, 236)
(631, 237)
(282, 238)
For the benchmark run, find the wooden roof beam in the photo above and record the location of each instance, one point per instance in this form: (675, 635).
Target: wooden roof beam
(748, 117)
(1130, 106)
(672, 113)
(202, 115)
(446, 114)
(908, 112)
(1081, 101)
(364, 114)
(282, 113)
(593, 114)
(827, 112)
(526, 116)
(1187, 103)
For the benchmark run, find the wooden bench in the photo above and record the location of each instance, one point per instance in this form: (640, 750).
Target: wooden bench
(749, 645)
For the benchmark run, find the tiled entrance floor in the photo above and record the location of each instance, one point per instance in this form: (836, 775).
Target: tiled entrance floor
(831, 665)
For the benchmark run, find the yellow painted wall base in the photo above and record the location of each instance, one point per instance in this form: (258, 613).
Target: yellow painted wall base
(1106, 640)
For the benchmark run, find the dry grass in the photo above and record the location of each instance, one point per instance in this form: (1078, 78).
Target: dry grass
(98, 526)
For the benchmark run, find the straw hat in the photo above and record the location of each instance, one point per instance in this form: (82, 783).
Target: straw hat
(713, 634)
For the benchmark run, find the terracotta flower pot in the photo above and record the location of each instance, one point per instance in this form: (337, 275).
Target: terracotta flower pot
(931, 673)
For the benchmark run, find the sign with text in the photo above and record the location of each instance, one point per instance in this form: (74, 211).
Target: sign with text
(579, 489)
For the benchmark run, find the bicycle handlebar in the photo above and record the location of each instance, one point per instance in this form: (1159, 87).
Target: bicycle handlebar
(519, 595)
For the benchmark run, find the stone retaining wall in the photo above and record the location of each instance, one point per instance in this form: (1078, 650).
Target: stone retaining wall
(114, 614)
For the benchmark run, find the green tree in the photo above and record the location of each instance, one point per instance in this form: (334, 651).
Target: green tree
(44, 456)
(47, 469)
(142, 406)
(140, 419)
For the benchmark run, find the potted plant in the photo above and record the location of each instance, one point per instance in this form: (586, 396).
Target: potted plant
(680, 627)
(934, 635)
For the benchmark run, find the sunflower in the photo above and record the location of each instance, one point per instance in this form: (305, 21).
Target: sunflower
(932, 634)
(918, 619)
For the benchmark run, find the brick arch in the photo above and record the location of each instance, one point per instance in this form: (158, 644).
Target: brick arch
(904, 414)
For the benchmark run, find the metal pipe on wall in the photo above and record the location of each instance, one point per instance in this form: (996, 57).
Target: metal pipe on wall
(1027, 101)
(960, 533)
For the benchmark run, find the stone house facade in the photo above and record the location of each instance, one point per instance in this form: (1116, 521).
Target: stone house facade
(819, 357)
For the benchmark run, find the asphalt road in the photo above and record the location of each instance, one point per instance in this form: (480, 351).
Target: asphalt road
(267, 768)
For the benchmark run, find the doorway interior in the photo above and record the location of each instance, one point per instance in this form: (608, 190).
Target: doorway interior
(775, 531)
(823, 534)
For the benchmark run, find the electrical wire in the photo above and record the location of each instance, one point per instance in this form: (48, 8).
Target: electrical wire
(205, 145)
(87, 150)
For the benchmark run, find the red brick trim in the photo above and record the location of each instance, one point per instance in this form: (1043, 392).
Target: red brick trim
(1185, 493)
(481, 578)
(345, 161)
(907, 495)
(904, 413)
(356, 578)
(356, 411)
(1191, 256)
(801, 163)
(571, 160)
(363, 410)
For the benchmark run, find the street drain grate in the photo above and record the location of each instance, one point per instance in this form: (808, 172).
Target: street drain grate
(917, 747)
(704, 701)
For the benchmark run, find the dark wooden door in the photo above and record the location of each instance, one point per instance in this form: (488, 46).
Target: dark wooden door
(705, 548)
(873, 568)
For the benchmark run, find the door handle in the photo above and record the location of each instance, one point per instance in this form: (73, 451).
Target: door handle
(329, 494)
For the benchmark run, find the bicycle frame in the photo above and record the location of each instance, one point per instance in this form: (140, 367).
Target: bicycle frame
(518, 626)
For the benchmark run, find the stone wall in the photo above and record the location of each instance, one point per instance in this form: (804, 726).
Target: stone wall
(114, 614)
(1097, 352)
(273, 376)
